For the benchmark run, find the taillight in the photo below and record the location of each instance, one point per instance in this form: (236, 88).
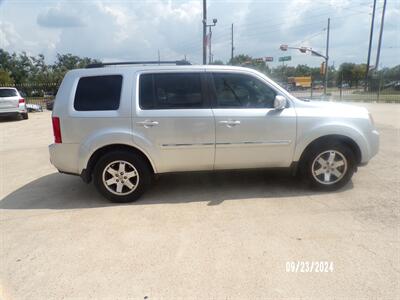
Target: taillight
(21, 101)
(56, 130)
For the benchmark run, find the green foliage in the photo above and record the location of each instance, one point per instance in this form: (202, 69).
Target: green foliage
(33, 74)
(5, 78)
(250, 62)
(351, 73)
(33, 69)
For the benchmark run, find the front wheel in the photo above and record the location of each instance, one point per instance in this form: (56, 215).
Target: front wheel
(121, 176)
(330, 166)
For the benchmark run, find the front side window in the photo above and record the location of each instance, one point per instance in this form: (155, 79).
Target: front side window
(98, 93)
(170, 91)
(242, 91)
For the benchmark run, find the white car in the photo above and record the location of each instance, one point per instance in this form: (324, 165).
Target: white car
(12, 103)
(120, 125)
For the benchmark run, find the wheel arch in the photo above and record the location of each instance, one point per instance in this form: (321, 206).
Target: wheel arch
(96, 155)
(351, 143)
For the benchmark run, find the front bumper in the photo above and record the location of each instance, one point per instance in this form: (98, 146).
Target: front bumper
(373, 147)
(374, 143)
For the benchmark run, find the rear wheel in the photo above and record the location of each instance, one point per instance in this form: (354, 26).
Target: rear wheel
(24, 116)
(122, 176)
(329, 166)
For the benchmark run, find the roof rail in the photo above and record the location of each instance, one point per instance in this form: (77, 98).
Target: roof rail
(155, 62)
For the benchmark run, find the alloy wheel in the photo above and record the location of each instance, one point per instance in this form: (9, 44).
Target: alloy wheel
(329, 167)
(120, 177)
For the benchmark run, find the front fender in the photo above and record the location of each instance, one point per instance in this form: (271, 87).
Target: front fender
(307, 136)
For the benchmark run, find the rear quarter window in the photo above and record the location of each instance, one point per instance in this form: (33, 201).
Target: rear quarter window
(98, 93)
(8, 93)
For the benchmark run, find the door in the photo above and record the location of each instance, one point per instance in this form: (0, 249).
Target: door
(250, 133)
(174, 115)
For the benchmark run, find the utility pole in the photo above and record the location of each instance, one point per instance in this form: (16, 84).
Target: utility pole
(204, 31)
(380, 36)
(159, 56)
(232, 48)
(371, 33)
(327, 55)
(209, 38)
(209, 44)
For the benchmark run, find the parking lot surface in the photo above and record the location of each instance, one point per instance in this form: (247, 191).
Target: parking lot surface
(225, 235)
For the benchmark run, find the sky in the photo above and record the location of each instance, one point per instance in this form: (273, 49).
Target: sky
(123, 30)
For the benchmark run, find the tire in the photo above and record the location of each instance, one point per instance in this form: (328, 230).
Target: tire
(329, 166)
(135, 171)
(24, 116)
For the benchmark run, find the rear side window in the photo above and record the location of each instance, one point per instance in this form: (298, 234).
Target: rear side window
(98, 93)
(170, 91)
(8, 93)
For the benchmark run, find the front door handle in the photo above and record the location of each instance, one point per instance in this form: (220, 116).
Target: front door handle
(229, 123)
(147, 123)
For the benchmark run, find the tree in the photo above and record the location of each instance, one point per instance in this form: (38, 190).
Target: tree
(350, 73)
(66, 62)
(250, 62)
(302, 70)
(5, 78)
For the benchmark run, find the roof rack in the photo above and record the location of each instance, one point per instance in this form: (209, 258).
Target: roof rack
(156, 62)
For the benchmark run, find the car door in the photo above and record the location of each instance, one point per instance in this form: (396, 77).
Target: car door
(250, 133)
(174, 116)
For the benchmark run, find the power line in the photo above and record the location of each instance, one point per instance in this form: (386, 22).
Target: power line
(323, 11)
(226, 36)
(279, 26)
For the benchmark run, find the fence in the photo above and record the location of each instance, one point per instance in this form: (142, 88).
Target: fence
(381, 88)
(39, 93)
(349, 94)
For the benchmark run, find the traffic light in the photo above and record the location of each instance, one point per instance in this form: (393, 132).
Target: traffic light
(283, 47)
(322, 69)
(303, 49)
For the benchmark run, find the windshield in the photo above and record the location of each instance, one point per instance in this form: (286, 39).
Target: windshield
(8, 93)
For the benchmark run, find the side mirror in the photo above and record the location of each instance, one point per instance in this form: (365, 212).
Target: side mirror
(280, 102)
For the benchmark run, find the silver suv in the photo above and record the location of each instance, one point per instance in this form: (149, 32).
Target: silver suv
(12, 103)
(120, 125)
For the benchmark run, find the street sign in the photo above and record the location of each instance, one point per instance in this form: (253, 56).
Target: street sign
(268, 58)
(285, 58)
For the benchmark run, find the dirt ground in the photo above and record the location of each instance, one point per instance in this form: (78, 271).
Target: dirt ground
(222, 235)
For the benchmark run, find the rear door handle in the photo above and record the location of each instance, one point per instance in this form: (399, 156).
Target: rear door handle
(229, 123)
(147, 123)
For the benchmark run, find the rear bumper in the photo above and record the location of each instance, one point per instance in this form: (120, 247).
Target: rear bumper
(12, 112)
(65, 157)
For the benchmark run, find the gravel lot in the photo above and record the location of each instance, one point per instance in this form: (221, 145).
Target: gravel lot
(203, 236)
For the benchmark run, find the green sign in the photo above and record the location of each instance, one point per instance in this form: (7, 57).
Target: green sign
(285, 58)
